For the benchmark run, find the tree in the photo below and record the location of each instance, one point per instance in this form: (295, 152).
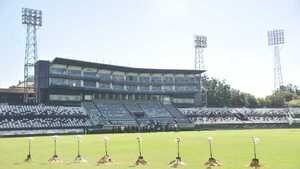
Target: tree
(275, 101)
(250, 100)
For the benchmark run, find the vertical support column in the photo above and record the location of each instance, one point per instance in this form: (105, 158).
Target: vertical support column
(200, 44)
(30, 60)
(278, 80)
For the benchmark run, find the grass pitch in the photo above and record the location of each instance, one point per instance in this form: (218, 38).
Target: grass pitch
(278, 149)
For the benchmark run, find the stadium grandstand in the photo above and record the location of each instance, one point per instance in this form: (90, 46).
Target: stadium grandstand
(65, 82)
(75, 96)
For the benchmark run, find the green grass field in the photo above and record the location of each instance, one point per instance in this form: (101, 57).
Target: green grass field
(278, 149)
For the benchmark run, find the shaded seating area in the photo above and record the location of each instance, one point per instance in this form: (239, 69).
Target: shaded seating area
(42, 117)
(157, 113)
(133, 113)
(115, 113)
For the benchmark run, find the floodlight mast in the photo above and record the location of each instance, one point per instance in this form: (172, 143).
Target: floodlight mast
(276, 39)
(200, 44)
(32, 18)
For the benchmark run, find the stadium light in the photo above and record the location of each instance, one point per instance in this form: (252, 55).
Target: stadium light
(212, 162)
(106, 158)
(29, 157)
(31, 17)
(276, 37)
(255, 161)
(140, 160)
(199, 64)
(200, 41)
(276, 40)
(55, 158)
(177, 162)
(78, 158)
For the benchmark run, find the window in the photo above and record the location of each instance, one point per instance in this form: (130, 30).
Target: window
(90, 74)
(56, 70)
(156, 79)
(104, 85)
(131, 78)
(183, 100)
(131, 88)
(144, 79)
(168, 88)
(156, 88)
(118, 87)
(118, 77)
(74, 72)
(179, 79)
(88, 83)
(58, 97)
(144, 88)
(58, 82)
(191, 88)
(105, 77)
(180, 88)
(168, 79)
(88, 97)
(74, 83)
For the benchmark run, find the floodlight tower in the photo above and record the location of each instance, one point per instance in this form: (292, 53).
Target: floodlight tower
(32, 18)
(200, 44)
(276, 39)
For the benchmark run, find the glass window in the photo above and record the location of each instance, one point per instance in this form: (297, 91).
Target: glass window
(104, 85)
(118, 87)
(131, 88)
(180, 88)
(144, 88)
(104, 76)
(131, 78)
(118, 77)
(74, 83)
(156, 79)
(168, 88)
(179, 79)
(56, 70)
(168, 79)
(57, 97)
(144, 79)
(156, 88)
(90, 74)
(58, 82)
(88, 97)
(74, 72)
(88, 83)
(191, 88)
(183, 100)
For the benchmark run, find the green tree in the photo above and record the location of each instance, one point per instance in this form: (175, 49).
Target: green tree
(275, 101)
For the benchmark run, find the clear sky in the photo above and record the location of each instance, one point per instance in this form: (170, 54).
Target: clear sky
(159, 34)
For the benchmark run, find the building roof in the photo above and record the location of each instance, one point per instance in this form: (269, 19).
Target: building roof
(122, 68)
(14, 90)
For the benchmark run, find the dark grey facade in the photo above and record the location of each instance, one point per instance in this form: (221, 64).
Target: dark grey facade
(66, 81)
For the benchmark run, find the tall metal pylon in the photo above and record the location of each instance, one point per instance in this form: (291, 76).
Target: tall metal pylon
(33, 20)
(200, 44)
(278, 79)
(276, 40)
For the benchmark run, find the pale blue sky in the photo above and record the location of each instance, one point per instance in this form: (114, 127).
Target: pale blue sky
(159, 34)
